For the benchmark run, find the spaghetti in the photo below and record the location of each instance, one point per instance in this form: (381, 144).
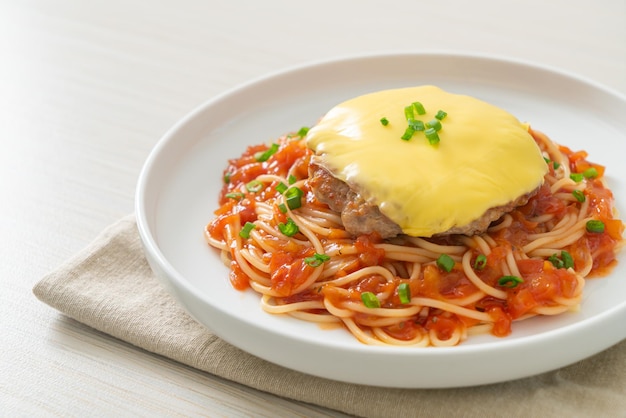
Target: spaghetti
(293, 250)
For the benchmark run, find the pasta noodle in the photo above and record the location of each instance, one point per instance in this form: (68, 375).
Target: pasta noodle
(284, 244)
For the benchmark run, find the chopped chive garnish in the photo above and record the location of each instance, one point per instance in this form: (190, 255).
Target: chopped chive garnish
(417, 125)
(429, 128)
(554, 163)
(419, 108)
(480, 262)
(408, 133)
(579, 195)
(568, 261)
(556, 261)
(291, 179)
(303, 131)
(409, 113)
(235, 195)
(289, 229)
(404, 293)
(294, 202)
(445, 262)
(432, 136)
(384, 121)
(509, 281)
(435, 124)
(441, 115)
(227, 177)
(577, 177)
(282, 208)
(316, 260)
(245, 231)
(294, 191)
(590, 173)
(370, 300)
(595, 225)
(293, 197)
(262, 156)
(281, 187)
(254, 186)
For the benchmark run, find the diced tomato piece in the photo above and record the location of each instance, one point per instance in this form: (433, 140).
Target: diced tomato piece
(501, 321)
(288, 271)
(443, 326)
(369, 255)
(530, 266)
(521, 302)
(238, 279)
(429, 285)
(405, 330)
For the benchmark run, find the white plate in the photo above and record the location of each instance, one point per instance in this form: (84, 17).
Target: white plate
(178, 189)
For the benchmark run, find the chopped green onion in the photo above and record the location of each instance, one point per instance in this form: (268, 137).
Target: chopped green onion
(556, 261)
(565, 261)
(417, 125)
(435, 124)
(509, 281)
(445, 262)
(245, 231)
(590, 173)
(227, 177)
(303, 131)
(291, 179)
(294, 191)
(384, 121)
(408, 133)
(254, 186)
(281, 187)
(419, 108)
(579, 195)
(409, 113)
(404, 293)
(577, 177)
(370, 300)
(235, 195)
(282, 208)
(289, 229)
(294, 202)
(293, 197)
(432, 136)
(595, 225)
(262, 156)
(316, 260)
(480, 262)
(554, 163)
(568, 261)
(441, 115)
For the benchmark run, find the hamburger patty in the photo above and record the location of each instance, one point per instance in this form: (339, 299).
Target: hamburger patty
(361, 217)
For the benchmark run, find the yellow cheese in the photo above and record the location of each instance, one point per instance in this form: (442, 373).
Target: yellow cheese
(485, 157)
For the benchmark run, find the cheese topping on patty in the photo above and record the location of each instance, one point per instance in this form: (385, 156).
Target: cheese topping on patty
(485, 157)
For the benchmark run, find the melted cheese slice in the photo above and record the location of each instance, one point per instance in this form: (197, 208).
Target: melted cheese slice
(485, 157)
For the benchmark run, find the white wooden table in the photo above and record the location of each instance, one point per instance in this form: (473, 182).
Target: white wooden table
(88, 87)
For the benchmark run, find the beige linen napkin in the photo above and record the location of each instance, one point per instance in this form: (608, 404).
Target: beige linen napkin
(110, 287)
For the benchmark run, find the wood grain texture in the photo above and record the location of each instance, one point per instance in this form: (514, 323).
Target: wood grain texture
(88, 88)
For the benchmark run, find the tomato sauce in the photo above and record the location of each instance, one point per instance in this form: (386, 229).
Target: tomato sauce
(541, 281)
